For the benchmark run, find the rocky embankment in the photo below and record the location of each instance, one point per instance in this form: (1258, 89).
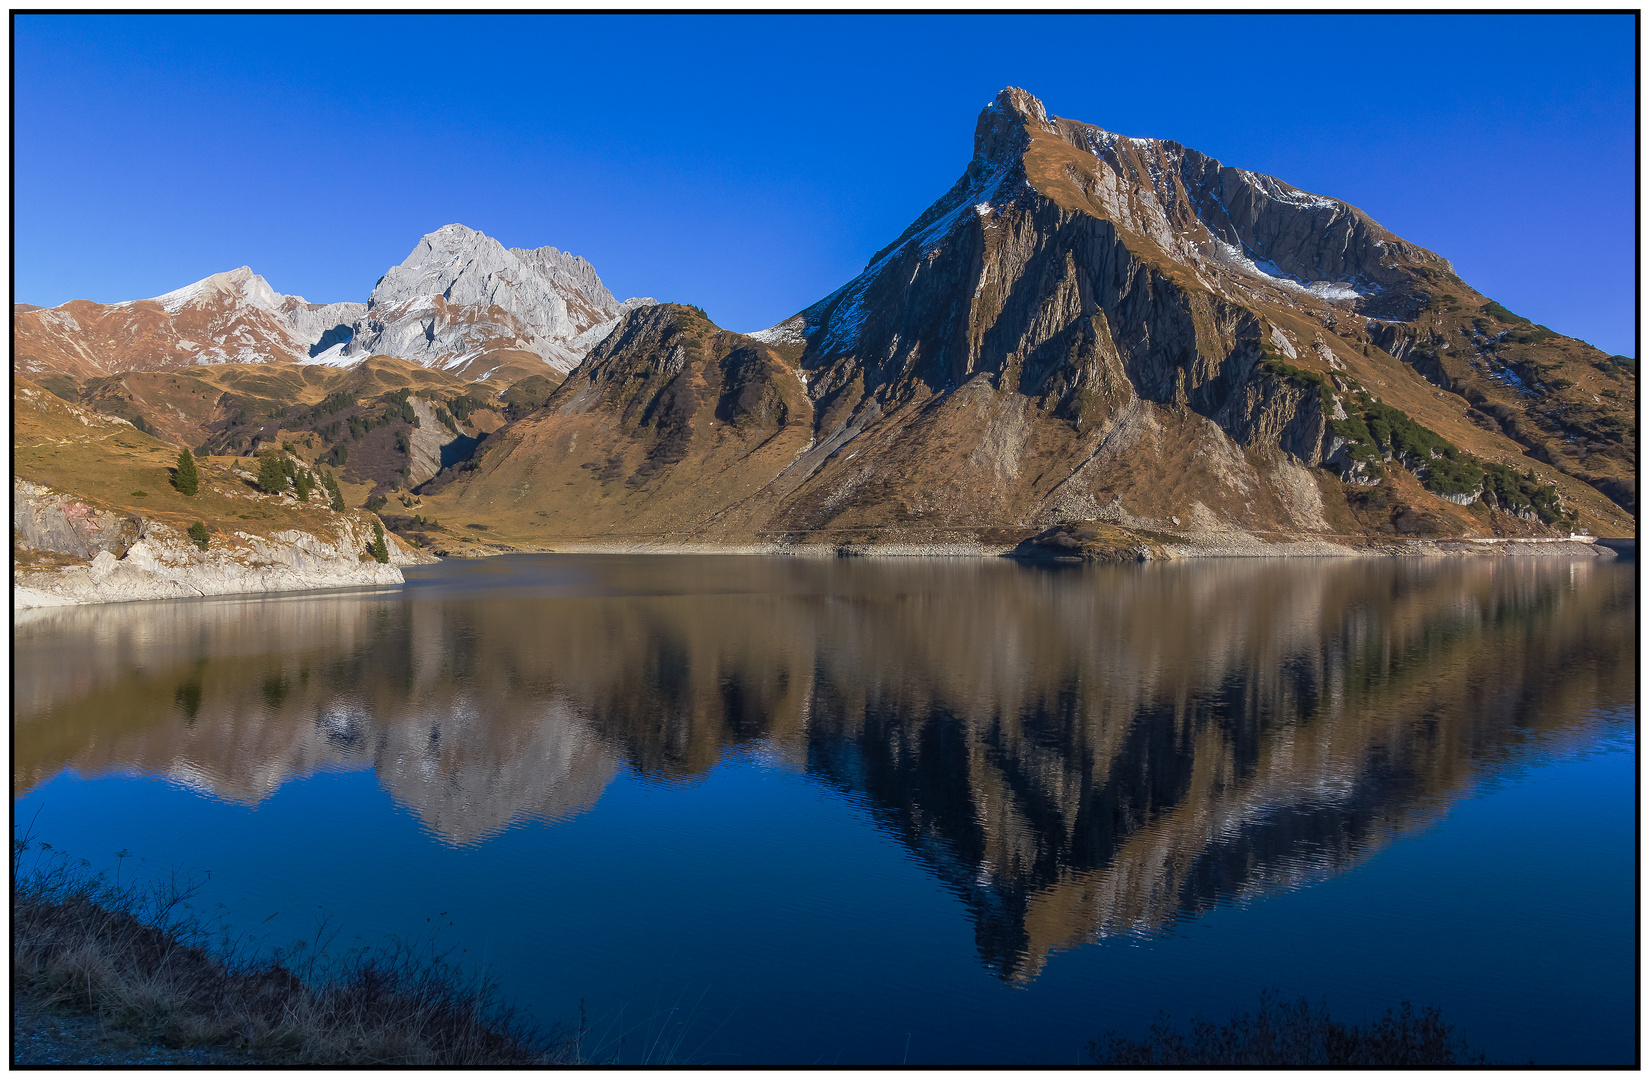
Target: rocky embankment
(129, 557)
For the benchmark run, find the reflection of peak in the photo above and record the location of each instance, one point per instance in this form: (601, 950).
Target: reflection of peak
(554, 768)
(1066, 778)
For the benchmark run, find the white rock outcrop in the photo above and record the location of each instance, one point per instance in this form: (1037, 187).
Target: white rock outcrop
(166, 564)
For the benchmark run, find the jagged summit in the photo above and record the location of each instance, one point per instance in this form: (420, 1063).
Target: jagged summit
(1243, 236)
(1000, 134)
(463, 302)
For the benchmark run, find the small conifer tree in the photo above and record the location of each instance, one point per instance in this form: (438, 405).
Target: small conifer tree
(330, 482)
(197, 533)
(271, 476)
(303, 484)
(380, 547)
(187, 478)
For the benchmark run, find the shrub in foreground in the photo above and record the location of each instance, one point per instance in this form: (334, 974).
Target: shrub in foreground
(1298, 1035)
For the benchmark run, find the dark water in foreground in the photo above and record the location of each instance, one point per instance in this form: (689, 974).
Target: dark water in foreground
(766, 811)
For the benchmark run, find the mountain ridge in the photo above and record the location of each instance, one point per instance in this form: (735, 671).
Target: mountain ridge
(1063, 336)
(1089, 346)
(517, 312)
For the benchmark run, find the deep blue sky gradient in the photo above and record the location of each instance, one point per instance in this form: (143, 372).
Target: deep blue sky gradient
(751, 164)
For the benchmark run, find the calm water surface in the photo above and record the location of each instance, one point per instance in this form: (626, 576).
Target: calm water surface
(759, 811)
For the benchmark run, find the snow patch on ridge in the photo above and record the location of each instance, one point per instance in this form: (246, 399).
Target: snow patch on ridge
(846, 306)
(1274, 275)
(1278, 191)
(793, 331)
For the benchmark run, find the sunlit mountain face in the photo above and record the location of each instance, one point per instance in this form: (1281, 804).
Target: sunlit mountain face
(1075, 754)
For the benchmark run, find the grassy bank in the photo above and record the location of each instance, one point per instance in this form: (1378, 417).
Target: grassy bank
(128, 971)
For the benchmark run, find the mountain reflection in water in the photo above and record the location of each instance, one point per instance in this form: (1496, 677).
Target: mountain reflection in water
(1075, 753)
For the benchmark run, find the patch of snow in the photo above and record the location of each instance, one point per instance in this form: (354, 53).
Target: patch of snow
(332, 357)
(1273, 274)
(793, 331)
(250, 287)
(1278, 191)
(1505, 374)
(61, 318)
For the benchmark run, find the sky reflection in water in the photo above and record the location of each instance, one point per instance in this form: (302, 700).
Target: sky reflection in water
(626, 771)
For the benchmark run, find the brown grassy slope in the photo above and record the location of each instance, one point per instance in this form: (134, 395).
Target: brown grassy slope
(181, 406)
(1571, 405)
(505, 367)
(665, 432)
(113, 466)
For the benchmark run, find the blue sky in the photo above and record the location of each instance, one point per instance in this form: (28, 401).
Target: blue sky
(751, 164)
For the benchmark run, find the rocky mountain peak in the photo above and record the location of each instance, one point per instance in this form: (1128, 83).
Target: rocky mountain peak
(569, 272)
(240, 285)
(1000, 133)
(462, 299)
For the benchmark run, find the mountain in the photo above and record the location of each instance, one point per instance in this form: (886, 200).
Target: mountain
(1092, 331)
(460, 302)
(668, 420)
(463, 303)
(233, 317)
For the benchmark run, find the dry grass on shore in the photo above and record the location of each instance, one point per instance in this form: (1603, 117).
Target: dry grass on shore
(133, 959)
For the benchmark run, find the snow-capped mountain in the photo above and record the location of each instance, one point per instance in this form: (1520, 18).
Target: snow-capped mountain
(460, 302)
(461, 298)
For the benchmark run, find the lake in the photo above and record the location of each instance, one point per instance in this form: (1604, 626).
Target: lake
(870, 811)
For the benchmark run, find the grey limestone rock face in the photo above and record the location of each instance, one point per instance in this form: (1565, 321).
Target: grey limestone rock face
(429, 440)
(45, 521)
(320, 326)
(461, 294)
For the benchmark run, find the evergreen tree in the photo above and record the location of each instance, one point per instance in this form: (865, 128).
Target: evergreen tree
(186, 479)
(271, 476)
(303, 484)
(330, 482)
(197, 533)
(380, 547)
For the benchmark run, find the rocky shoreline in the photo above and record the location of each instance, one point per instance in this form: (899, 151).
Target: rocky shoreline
(135, 558)
(1222, 546)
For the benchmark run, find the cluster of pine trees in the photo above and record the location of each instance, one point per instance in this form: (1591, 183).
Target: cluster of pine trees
(275, 471)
